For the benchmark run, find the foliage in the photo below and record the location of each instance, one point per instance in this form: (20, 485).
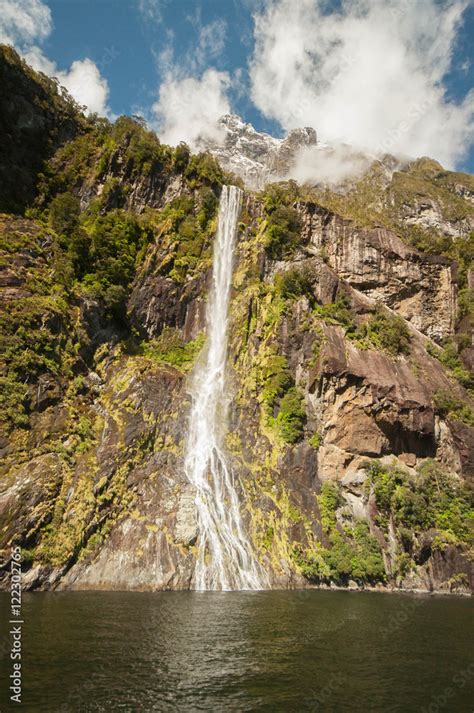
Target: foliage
(116, 240)
(144, 152)
(431, 499)
(204, 168)
(282, 402)
(170, 348)
(337, 313)
(357, 556)
(465, 302)
(283, 230)
(64, 213)
(186, 226)
(450, 405)
(460, 249)
(329, 500)
(13, 397)
(275, 379)
(448, 355)
(291, 416)
(280, 194)
(383, 331)
(294, 283)
(181, 157)
(353, 552)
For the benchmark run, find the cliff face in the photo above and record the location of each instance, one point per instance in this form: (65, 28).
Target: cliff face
(352, 421)
(36, 116)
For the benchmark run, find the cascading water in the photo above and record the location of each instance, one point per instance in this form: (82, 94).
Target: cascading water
(225, 559)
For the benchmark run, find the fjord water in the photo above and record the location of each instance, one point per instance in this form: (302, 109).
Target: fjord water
(243, 651)
(225, 559)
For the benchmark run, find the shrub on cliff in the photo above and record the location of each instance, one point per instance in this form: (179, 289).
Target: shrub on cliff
(384, 331)
(451, 406)
(294, 283)
(283, 232)
(170, 348)
(291, 416)
(204, 168)
(282, 403)
(432, 499)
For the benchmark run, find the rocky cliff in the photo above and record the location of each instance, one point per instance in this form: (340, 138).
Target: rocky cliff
(352, 421)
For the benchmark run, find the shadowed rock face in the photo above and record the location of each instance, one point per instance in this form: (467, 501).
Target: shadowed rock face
(36, 117)
(92, 484)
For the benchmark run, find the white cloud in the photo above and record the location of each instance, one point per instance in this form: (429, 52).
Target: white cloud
(370, 75)
(191, 97)
(24, 21)
(27, 23)
(211, 42)
(82, 80)
(152, 9)
(188, 107)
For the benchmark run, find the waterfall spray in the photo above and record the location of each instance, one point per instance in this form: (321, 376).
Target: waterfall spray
(225, 559)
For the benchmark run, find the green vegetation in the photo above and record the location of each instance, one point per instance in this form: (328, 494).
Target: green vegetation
(338, 312)
(291, 416)
(329, 500)
(170, 348)
(384, 331)
(282, 403)
(448, 355)
(283, 222)
(37, 331)
(117, 239)
(352, 552)
(315, 441)
(450, 405)
(430, 499)
(283, 232)
(186, 228)
(294, 283)
(204, 168)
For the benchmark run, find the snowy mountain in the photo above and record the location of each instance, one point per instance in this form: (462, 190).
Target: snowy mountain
(259, 158)
(255, 156)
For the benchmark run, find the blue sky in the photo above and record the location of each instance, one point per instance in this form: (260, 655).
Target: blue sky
(394, 76)
(125, 44)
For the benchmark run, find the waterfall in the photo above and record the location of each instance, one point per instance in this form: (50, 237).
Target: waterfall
(225, 559)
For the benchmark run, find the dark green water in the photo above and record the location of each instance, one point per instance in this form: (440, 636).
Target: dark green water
(269, 651)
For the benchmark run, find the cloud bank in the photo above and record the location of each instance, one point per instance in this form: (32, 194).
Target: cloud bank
(370, 75)
(188, 107)
(25, 24)
(192, 98)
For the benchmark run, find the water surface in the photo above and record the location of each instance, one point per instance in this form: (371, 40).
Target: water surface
(255, 651)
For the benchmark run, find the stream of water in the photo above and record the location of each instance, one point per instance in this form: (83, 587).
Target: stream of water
(225, 559)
